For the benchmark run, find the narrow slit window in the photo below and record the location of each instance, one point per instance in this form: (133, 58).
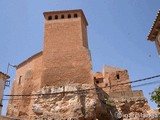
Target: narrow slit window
(49, 17)
(20, 79)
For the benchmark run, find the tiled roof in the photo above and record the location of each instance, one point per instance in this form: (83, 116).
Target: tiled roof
(155, 28)
(30, 58)
(5, 75)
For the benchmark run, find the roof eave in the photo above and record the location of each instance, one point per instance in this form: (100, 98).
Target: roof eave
(5, 75)
(63, 11)
(155, 28)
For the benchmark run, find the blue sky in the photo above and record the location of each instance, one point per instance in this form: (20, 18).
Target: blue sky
(117, 34)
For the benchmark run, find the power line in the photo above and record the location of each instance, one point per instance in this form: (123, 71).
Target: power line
(84, 90)
(51, 94)
(20, 99)
(140, 80)
(149, 83)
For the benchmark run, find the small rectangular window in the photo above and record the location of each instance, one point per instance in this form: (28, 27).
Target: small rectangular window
(97, 81)
(118, 77)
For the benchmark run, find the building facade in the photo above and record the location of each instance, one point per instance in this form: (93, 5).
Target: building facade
(65, 59)
(58, 84)
(113, 79)
(154, 34)
(3, 78)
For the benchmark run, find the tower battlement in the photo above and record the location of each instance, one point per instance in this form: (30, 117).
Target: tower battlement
(64, 15)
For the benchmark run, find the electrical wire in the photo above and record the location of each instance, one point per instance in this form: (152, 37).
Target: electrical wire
(149, 83)
(84, 90)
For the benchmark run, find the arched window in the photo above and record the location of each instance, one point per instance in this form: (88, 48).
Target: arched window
(49, 17)
(69, 16)
(62, 16)
(75, 15)
(56, 17)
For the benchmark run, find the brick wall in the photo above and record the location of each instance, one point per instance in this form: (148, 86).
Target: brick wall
(3, 78)
(2, 83)
(66, 55)
(27, 80)
(119, 77)
(109, 81)
(65, 60)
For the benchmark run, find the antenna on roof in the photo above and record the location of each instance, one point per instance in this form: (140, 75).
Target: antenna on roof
(12, 65)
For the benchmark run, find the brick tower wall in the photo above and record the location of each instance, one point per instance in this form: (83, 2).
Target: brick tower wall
(27, 81)
(66, 57)
(109, 81)
(123, 78)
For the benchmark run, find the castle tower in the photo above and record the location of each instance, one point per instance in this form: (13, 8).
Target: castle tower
(66, 56)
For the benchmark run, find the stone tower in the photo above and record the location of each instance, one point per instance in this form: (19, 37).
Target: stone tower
(66, 56)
